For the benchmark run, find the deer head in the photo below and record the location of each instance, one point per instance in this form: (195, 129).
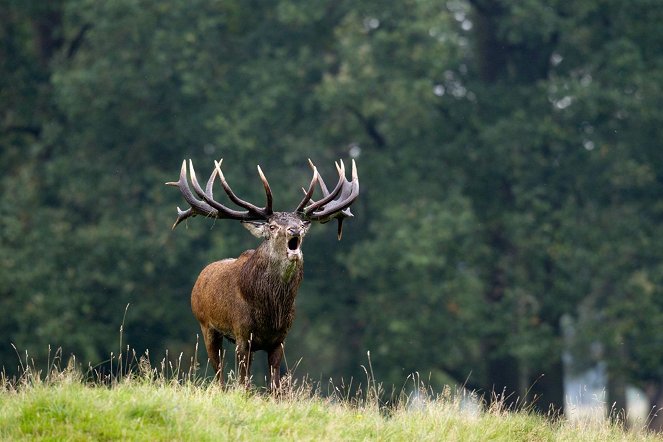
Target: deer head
(284, 233)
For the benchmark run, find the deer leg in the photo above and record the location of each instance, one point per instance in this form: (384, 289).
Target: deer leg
(274, 359)
(214, 345)
(244, 357)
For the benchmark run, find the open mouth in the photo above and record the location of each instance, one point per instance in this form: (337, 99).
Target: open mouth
(293, 243)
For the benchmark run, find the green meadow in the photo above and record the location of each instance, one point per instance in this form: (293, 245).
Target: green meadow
(68, 404)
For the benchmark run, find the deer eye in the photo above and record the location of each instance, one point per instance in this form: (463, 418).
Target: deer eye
(273, 227)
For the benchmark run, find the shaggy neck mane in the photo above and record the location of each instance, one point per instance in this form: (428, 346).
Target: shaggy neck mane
(274, 280)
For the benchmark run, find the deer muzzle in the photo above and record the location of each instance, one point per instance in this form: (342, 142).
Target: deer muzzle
(294, 247)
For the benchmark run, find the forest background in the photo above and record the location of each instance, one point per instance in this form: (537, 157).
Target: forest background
(508, 232)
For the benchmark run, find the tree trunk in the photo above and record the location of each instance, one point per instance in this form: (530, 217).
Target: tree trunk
(498, 58)
(503, 371)
(492, 62)
(617, 397)
(503, 380)
(547, 390)
(654, 392)
(48, 27)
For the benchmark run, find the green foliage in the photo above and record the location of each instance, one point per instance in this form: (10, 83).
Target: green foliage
(418, 288)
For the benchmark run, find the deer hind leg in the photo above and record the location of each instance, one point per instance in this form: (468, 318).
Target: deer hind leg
(214, 346)
(274, 359)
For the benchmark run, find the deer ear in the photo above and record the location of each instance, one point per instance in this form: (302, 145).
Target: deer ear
(257, 228)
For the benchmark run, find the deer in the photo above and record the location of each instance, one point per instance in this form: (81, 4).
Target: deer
(250, 300)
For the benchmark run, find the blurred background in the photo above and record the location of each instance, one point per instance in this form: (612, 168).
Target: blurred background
(508, 234)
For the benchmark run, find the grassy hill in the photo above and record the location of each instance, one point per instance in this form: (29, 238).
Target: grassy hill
(66, 405)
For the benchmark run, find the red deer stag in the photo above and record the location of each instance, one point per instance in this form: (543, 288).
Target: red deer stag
(249, 300)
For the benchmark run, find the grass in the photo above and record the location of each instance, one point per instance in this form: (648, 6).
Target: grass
(154, 404)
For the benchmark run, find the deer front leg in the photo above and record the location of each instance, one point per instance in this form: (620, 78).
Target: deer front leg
(214, 345)
(243, 358)
(274, 359)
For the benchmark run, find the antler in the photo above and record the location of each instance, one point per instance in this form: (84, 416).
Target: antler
(334, 204)
(211, 208)
(311, 188)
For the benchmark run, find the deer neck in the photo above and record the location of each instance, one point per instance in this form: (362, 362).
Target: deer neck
(280, 264)
(270, 273)
(270, 283)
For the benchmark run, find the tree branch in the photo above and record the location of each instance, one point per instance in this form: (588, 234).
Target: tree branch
(78, 40)
(30, 130)
(369, 127)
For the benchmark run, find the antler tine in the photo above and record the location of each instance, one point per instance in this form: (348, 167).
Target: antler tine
(327, 197)
(323, 186)
(194, 181)
(341, 169)
(182, 215)
(255, 211)
(338, 206)
(197, 207)
(268, 191)
(311, 188)
(209, 191)
(348, 195)
(223, 211)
